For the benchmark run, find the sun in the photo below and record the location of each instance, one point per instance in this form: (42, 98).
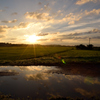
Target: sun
(32, 38)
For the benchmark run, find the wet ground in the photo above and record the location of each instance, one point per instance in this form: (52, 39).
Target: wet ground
(43, 82)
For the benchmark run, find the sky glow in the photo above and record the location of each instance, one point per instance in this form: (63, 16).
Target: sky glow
(65, 22)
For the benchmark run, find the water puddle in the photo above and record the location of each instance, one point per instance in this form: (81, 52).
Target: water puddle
(44, 82)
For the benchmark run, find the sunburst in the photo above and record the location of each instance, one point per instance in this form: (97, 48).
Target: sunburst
(32, 38)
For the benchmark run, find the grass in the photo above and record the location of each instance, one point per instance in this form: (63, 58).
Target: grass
(27, 52)
(9, 97)
(37, 54)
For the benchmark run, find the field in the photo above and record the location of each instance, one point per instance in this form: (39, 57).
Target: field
(46, 55)
(76, 69)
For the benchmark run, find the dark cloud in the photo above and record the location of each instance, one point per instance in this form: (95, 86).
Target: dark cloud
(75, 36)
(2, 36)
(13, 21)
(84, 33)
(21, 25)
(42, 40)
(39, 3)
(65, 37)
(96, 37)
(58, 39)
(12, 38)
(14, 13)
(55, 33)
(3, 28)
(42, 34)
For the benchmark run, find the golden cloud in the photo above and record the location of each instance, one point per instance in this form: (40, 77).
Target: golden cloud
(38, 16)
(22, 25)
(71, 22)
(71, 18)
(81, 2)
(94, 11)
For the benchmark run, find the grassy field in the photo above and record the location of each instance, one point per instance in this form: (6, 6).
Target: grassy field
(37, 54)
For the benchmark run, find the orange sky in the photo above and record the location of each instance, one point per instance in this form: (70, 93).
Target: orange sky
(65, 22)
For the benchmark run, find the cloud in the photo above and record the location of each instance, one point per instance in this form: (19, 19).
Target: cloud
(39, 3)
(91, 80)
(38, 76)
(53, 2)
(22, 25)
(12, 38)
(96, 37)
(85, 33)
(85, 93)
(56, 39)
(94, 11)
(42, 34)
(58, 13)
(2, 36)
(71, 22)
(8, 73)
(3, 28)
(38, 16)
(14, 13)
(45, 16)
(1, 10)
(80, 35)
(46, 7)
(42, 40)
(65, 37)
(81, 2)
(13, 21)
(71, 18)
(55, 33)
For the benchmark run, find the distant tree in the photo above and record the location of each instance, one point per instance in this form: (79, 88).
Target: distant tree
(81, 46)
(90, 47)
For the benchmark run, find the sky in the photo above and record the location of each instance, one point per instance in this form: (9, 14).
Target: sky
(60, 22)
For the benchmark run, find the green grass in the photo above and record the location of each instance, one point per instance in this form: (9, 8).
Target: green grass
(28, 52)
(46, 54)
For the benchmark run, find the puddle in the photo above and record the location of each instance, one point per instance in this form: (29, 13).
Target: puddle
(44, 82)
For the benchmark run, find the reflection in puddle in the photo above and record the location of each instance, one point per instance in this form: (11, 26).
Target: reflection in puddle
(44, 82)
